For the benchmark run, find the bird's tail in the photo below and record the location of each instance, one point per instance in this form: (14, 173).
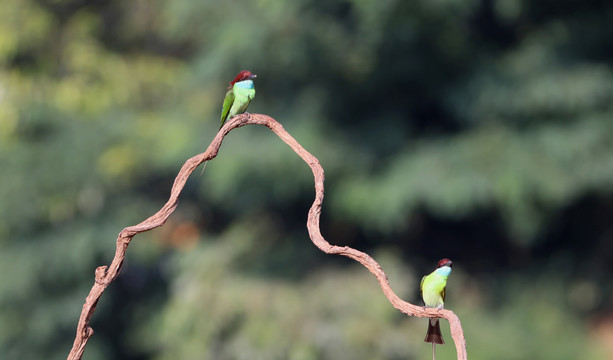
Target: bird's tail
(434, 335)
(204, 167)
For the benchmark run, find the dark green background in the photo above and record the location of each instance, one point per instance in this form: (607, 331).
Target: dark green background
(477, 130)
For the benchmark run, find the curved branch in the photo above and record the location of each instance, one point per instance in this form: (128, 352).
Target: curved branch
(105, 275)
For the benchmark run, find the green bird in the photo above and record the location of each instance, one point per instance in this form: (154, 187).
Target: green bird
(432, 289)
(240, 93)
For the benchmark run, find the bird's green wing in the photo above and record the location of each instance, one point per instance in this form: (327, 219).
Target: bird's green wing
(227, 104)
(421, 289)
(443, 293)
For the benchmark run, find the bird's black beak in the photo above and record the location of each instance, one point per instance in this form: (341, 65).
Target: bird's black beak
(253, 76)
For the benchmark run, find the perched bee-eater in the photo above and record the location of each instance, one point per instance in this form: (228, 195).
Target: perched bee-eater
(240, 93)
(432, 290)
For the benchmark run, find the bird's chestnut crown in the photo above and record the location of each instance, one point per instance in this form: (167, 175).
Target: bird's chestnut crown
(445, 262)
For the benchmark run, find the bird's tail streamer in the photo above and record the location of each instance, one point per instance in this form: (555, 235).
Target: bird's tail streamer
(204, 167)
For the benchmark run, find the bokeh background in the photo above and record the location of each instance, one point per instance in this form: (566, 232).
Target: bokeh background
(478, 130)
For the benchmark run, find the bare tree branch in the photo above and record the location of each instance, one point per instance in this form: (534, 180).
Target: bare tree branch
(105, 275)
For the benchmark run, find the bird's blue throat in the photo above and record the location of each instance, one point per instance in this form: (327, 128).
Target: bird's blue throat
(443, 271)
(245, 84)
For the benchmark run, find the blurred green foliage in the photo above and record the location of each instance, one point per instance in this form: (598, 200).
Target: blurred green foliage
(477, 130)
